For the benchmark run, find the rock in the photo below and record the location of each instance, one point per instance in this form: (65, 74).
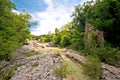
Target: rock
(109, 72)
(75, 56)
(24, 49)
(40, 45)
(44, 45)
(42, 71)
(51, 44)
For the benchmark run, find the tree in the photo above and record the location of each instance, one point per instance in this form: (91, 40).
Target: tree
(14, 28)
(57, 36)
(78, 18)
(104, 15)
(76, 40)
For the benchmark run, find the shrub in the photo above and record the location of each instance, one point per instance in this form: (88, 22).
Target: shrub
(109, 55)
(106, 54)
(92, 68)
(5, 56)
(65, 41)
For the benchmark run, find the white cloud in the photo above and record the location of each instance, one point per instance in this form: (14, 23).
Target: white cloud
(15, 11)
(56, 15)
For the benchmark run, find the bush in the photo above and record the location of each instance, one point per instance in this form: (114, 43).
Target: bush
(5, 56)
(107, 54)
(65, 41)
(92, 68)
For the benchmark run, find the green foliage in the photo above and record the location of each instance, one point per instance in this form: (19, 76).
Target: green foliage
(92, 68)
(78, 18)
(62, 70)
(104, 15)
(65, 41)
(109, 55)
(31, 53)
(6, 72)
(42, 39)
(9, 73)
(57, 36)
(105, 54)
(5, 56)
(46, 38)
(68, 37)
(14, 28)
(76, 40)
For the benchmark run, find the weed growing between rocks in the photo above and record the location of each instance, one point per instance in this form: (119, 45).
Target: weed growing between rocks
(6, 72)
(35, 64)
(63, 70)
(33, 52)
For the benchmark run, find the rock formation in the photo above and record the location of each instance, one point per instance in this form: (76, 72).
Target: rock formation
(93, 36)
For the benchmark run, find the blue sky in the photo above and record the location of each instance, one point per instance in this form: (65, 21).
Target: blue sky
(49, 14)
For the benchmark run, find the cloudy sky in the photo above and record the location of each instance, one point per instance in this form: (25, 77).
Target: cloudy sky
(49, 14)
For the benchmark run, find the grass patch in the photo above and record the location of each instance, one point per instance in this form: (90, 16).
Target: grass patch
(70, 70)
(77, 70)
(63, 70)
(6, 72)
(92, 68)
(33, 52)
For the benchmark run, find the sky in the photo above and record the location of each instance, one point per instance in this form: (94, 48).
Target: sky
(49, 14)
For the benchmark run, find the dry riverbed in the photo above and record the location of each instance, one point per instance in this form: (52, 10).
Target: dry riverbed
(38, 63)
